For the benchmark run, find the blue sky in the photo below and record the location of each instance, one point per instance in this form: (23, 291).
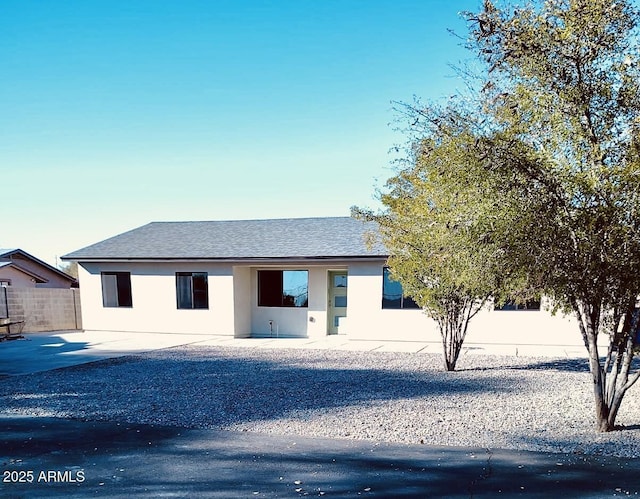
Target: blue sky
(118, 113)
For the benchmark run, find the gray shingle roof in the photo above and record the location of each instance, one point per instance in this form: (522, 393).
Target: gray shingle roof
(239, 239)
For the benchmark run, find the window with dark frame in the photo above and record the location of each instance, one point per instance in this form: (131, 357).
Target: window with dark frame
(116, 289)
(513, 305)
(283, 288)
(392, 295)
(192, 291)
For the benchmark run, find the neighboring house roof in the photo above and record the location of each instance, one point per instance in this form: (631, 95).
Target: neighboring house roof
(7, 258)
(34, 276)
(302, 238)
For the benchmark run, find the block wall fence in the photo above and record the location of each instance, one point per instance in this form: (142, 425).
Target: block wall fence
(45, 309)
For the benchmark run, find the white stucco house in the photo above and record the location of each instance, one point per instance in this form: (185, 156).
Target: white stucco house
(304, 277)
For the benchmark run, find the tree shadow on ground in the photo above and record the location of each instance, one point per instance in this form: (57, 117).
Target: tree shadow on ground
(576, 365)
(522, 364)
(216, 391)
(571, 365)
(627, 427)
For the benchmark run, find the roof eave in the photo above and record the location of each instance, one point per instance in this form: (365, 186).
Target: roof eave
(328, 258)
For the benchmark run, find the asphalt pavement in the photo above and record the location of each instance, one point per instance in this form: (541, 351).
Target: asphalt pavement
(46, 457)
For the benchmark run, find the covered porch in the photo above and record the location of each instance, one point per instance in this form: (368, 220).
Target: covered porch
(292, 300)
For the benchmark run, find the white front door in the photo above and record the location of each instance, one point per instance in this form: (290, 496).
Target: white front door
(337, 298)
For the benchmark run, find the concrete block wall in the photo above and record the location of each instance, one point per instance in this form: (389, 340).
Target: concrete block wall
(45, 309)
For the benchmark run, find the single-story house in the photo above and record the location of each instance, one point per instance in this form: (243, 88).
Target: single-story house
(21, 270)
(298, 277)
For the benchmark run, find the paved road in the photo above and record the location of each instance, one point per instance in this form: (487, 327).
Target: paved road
(89, 459)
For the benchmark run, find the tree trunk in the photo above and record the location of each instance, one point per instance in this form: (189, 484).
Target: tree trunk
(588, 328)
(453, 328)
(451, 347)
(611, 379)
(603, 422)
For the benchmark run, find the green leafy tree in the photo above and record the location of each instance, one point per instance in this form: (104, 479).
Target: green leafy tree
(546, 167)
(425, 227)
(70, 268)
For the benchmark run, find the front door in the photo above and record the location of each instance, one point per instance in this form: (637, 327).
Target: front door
(337, 298)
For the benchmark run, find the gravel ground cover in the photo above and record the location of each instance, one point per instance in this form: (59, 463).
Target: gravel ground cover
(524, 403)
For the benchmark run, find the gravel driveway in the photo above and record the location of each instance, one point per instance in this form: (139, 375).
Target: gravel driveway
(500, 402)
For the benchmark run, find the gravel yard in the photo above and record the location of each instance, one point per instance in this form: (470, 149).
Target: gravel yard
(500, 402)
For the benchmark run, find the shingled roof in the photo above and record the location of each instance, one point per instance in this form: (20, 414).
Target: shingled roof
(290, 238)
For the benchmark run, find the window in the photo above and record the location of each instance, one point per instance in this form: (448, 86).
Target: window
(512, 305)
(392, 295)
(116, 289)
(283, 288)
(340, 301)
(192, 290)
(340, 281)
(5, 283)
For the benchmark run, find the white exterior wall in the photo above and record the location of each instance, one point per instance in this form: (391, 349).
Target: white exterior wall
(523, 327)
(366, 320)
(233, 301)
(290, 321)
(242, 301)
(233, 308)
(153, 289)
(318, 302)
